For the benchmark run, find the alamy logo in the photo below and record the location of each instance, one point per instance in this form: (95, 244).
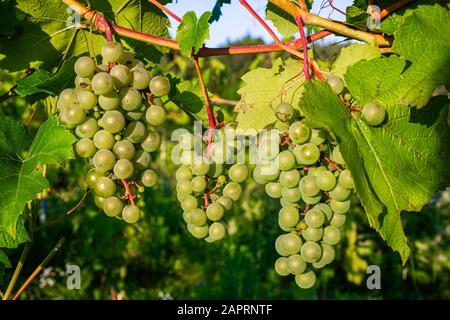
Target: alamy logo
(74, 18)
(74, 277)
(374, 280)
(374, 19)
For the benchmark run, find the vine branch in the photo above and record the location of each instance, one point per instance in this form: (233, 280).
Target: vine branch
(128, 192)
(165, 10)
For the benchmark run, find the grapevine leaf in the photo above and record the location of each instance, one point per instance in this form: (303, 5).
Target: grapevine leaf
(4, 260)
(217, 10)
(42, 81)
(324, 110)
(21, 165)
(7, 241)
(264, 88)
(188, 96)
(283, 21)
(46, 32)
(356, 17)
(352, 54)
(423, 40)
(192, 32)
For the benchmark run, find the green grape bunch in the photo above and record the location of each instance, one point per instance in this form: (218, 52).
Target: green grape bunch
(207, 186)
(114, 109)
(309, 176)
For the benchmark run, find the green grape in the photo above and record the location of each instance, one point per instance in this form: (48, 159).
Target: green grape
(186, 141)
(124, 149)
(142, 160)
(184, 187)
(348, 96)
(226, 202)
(131, 214)
(281, 266)
(284, 111)
(313, 171)
(66, 98)
(75, 114)
(308, 186)
(306, 280)
(130, 99)
(85, 67)
(346, 180)
(312, 234)
(126, 58)
(299, 132)
(221, 152)
(258, 177)
(85, 148)
(215, 170)
(104, 160)
(336, 84)
(268, 149)
(109, 101)
(183, 173)
(149, 178)
(155, 115)
(288, 217)
(331, 235)
(136, 132)
(315, 218)
(307, 153)
(311, 251)
(112, 51)
(198, 232)
(113, 121)
(104, 140)
(197, 217)
(325, 208)
(200, 169)
(215, 211)
(296, 264)
(317, 137)
(274, 189)
(291, 194)
(102, 83)
(290, 179)
(81, 82)
(91, 177)
(288, 244)
(159, 86)
(373, 114)
(188, 157)
(338, 220)
(312, 200)
(86, 99)
(238, 172)
(325, 180)
(123, 169)
(340, 193)
(141, 78)
(216, 231)
(198, 184)
(285, 203)
(232, 190)
(340, 207)
(134, 115)
(286, 160)
(121, 75)
(112, 206)
(105, 187)
(189, 203)
(152, 142)
(268, 171)
(99, 201)
(328, 254)
(336, 156)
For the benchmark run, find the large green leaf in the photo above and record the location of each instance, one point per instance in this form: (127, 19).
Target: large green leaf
(352, 54)
(21, 165)
(4, 261)
(283, 21)
(192, 32)
(43, 36)
(217, 10)
(423, 39)
(264, 89)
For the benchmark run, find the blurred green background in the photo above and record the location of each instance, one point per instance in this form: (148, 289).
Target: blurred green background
(158, 259)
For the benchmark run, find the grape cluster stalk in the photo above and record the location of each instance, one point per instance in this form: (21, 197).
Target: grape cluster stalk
(114, 110)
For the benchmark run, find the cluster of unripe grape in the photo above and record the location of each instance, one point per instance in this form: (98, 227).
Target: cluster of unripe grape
(207, 186)
(113, 110)
(373, 113)
(307, 173)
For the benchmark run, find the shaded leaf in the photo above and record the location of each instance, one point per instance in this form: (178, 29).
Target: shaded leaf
(192, 32)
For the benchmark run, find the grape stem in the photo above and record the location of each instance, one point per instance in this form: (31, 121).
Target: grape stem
(331, 4)
(299, 21)
(209, 111)
(128, 192)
